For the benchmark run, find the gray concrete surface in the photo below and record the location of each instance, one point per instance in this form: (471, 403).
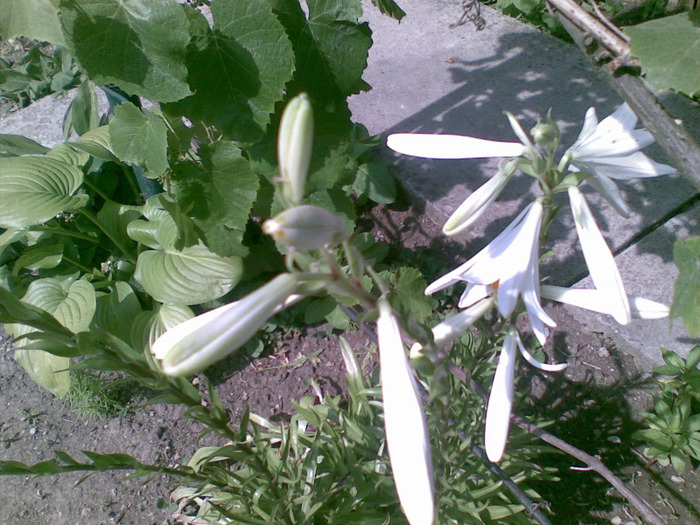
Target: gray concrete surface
(429, 78)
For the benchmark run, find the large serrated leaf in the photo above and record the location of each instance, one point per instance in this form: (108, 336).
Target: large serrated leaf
(35, 19)
(139, 138)
(686, 297)
(192, 275)
(72, 303)
(242, 71)
(375, 181)
(34, 190)
(669, 49)
(136, 44)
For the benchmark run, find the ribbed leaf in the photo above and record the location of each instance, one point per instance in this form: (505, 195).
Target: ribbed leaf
(34, 190)
(150, 325)
(117, 310)
(96, 143)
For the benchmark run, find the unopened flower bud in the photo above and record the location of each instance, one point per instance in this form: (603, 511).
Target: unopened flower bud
(545, 135)
(294, 144)
(199, 342)
(307, 227)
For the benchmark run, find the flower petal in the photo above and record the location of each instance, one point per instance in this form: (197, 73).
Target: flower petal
(599, 259)
(500, 402)
(554, 367)
(452, 327)
(610, 192)
(404, 423)
(476, 204)
(473, 293)
(634, 166)
(434, 146)
(593, 300)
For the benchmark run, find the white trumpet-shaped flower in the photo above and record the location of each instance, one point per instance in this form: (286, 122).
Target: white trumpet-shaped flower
(508, 267)
(594, 300)
(199, 342)
(500, 404)
(599, 259)
(610, 149)
(405, 424)
(435, 146)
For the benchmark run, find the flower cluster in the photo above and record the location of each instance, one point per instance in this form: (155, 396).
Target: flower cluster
(507, 269)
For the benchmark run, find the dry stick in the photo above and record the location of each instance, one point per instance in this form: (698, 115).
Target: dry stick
(586, 30)
(650, 514)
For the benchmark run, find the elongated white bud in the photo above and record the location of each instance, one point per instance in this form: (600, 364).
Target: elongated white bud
(307, 227)
(199, 342)
(405, 425)
(501, 400)
(294, 144)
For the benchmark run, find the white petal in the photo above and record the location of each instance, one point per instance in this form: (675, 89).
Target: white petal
(609, 190)
(531, 298)
(476, 204)
(405, 425)
(520, 132)
(633, 166)
(452, 327)
(590, 122)
(593, 300)
(623, 143)
(555, 367)
(599, 259)
(432, 146)
(500, 402)
(473, 293)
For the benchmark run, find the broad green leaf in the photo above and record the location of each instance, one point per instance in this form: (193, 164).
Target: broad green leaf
(115, 218)
(39, 257)
(229, 187)
(34, 19)
(139, 138)
(389, 7)
(686, 296)
(96, 143)
(669, 49)
(34, 190)
(117, 310)
(150, 325)
(82, 115)
(407, 294)
(68, 154)
(136, 44)
(72, 303)
(189, 276)
(14, 145)
(330, 47)
(375, 181)
(241, 73)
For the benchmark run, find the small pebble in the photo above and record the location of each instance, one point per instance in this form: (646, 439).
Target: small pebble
(32, 431)
(617, 520)
(603, 352)
(677, 479)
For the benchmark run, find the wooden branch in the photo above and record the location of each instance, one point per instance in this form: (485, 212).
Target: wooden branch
(587, 30)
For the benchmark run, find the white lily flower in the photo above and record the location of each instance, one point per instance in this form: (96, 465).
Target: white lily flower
(599, 259)
(404, 424)
(508, 266)
(593, 300)
(610, 149)
(500, 403)
(205, 339)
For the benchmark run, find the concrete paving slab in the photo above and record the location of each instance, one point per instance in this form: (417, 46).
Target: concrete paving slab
(42, 121)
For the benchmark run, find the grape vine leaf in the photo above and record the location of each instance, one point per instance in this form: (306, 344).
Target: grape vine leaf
(686, 296)
(240, 72)
(390, 8)
(136, 44)
(139, 139)
(35, 19)
(669, 49)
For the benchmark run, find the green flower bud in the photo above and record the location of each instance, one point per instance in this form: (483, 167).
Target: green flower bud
(294, 144)
(205, 339)
(307, 227)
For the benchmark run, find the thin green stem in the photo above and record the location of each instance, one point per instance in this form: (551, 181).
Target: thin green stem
(66, 233)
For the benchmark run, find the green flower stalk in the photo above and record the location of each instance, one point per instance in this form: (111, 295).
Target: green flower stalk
(294, 143)
(307, 227)
(192, 346)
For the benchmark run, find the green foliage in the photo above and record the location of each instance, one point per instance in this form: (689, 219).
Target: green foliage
(669, 49)
(674, 425)
(686, 296)
(92, 397)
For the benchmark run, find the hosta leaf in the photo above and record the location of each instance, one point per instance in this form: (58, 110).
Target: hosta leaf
(13, 145)
(117, 310)
(114, 218)
(150, 325)
(96, 143)
(34, 19)
(229, 187)
(72, 303)
(193, 275)
(68, 154)
(669, 49)
(136, 44)
(241, 72)
(40, 256)
(686, 296)
(139, 138)
(34, 190)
